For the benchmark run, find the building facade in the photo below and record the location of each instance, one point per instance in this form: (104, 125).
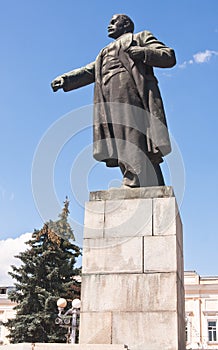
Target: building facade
(201, 307)
(6, 312)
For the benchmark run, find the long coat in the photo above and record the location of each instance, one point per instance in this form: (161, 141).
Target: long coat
(156, 55)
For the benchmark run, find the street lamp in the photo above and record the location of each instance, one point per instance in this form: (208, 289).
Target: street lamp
(69, 319)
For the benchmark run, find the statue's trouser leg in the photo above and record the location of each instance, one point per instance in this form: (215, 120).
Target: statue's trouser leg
(149, 175)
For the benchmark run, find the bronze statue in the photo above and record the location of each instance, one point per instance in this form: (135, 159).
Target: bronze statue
(130, 129)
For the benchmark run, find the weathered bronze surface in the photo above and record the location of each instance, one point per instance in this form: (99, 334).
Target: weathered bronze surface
(130, 129)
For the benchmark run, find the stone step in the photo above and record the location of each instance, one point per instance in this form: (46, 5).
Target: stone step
(61, 346)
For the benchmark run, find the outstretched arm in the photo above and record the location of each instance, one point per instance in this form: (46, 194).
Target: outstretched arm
(75, 78)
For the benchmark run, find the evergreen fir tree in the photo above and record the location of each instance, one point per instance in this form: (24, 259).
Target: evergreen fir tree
(46, 274)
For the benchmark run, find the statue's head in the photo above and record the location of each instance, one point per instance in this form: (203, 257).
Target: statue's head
(119, 25)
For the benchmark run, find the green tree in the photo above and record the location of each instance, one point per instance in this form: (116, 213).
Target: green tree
(46, 273)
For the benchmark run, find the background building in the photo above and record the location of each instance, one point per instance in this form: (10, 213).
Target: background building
(201, 306)
(6, 312)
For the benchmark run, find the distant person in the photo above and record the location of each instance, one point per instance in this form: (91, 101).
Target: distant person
(130, 128)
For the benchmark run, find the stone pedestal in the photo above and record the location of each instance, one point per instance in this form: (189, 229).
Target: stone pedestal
(132, 283)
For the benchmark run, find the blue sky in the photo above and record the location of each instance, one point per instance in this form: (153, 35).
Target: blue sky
(42, 39)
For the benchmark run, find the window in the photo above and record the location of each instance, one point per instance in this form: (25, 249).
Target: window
(186, 330)
(3, 290)
(212, 331)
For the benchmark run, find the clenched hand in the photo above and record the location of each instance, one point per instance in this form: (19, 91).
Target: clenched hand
(57, 83)
(136, 53)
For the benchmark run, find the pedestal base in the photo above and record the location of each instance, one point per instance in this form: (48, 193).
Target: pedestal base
(132, 283)
(60, 346)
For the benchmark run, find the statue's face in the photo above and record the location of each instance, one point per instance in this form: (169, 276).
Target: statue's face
(116, 27)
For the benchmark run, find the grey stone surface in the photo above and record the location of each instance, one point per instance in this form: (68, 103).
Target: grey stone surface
(22, 346)
(97, 327)
(130, 292)
(147, 330)
(180, 263)
(165, 212)
(179, 231)
(180, 300)
(61, 346)
(118, 218)
(131, 193)
(160, 254)
(133, 284)
(123, 254)
(80, 347)
(129, 217)
(94, 219)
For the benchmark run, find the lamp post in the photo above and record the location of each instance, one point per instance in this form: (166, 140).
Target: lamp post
(69, 319)
(76, 304)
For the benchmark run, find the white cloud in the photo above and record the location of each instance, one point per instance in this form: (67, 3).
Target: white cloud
(8, 249)
(185, 63)
(200, 57)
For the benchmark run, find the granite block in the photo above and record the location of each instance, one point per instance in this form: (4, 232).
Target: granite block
(109, 255)
(160, 254)
(130, 217)
(94, 220)
(130, 292)
(164, 216)
(147, 330)
(132, 193)
(95, 328)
